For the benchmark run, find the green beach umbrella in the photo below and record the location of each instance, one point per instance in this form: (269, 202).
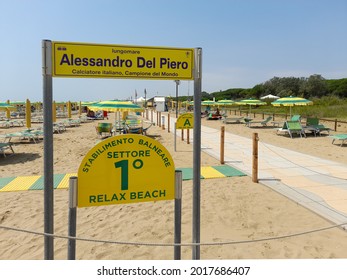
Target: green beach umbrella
(208, 103)
(225, 102)
(292, 101)
(251, 102)
(7, 107)
(116, 106)
(18, 102)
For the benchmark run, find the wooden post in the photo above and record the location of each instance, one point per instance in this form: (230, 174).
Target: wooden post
(162, 122)
(187, 136)
(168, 122)
(182, 134)
(255, 158)
(335, 124)
(222, 144)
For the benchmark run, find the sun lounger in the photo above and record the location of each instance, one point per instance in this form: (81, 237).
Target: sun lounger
(262, 123)
(28, 134)
(6, 146)
(11, 123)
(314, 125)
(72, 122)
(212, 116)
(137, 126)
(232, 120)
(296, 118)
(341, 137)
(59, 127)
(292, 127)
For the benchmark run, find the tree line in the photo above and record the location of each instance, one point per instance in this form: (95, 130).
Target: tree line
(315, 86)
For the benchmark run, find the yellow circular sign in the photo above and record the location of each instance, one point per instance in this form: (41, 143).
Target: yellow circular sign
(127, 168)
(185, 121)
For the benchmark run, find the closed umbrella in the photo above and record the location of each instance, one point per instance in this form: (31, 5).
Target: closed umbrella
(28, 113)
(69, 109)
(292, 101)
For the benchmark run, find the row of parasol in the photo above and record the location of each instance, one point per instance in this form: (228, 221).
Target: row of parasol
(285, 101)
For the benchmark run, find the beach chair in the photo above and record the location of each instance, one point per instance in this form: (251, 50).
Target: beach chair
(133, 125)
(144, 130)
(247, 120)
(212, 116)
(296, 118)
(72, 122)
(292, 127)
(341, 137)
(314, 125)
(28, 134)
(262, 123)
(103, 129)
(232, 120)
(6, 146)
(5, 124)
(59, 127)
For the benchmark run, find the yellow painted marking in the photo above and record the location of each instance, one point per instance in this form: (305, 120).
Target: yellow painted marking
(22, 183)
(210, 172)
(64, 183)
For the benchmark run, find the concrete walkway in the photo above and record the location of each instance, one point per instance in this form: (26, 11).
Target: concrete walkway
(318, 184)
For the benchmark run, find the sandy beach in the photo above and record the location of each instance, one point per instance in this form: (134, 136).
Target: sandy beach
(232, 209)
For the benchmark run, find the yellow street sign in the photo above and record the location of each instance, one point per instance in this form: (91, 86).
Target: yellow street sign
(118, 61)
(127, 168)
(185, 121)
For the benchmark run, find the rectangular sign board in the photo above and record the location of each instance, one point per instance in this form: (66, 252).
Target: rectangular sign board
(83, 60)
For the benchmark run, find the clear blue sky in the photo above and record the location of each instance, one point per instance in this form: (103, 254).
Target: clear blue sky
(244, 42)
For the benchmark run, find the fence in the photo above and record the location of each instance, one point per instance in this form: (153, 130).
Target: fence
(335, 122)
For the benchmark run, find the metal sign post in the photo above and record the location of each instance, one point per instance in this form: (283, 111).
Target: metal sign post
(178, 214)
(79, 60)
(175, 136)
(71, 246)
(48, 148)
(197, 153)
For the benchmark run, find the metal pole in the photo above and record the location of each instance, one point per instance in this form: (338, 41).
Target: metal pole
(178, 214)
(175, 131)
(197, 153)
(177, 83)
(71, 245)
(48, 148)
